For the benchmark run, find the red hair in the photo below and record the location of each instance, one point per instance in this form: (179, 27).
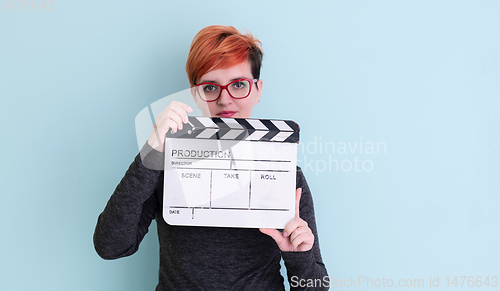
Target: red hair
(219, 47)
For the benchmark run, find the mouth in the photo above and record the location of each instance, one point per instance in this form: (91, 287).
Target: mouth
(226, 113)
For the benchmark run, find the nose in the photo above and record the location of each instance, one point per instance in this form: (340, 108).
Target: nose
(224, 98)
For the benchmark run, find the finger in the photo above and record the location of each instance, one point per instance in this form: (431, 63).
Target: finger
(172, 118)
(165, 125)
(156, 139)
(303, 242)
(292, 225)
(298, 194)
(171, 124)
(180, 109)
(186, 107)
(300, 231)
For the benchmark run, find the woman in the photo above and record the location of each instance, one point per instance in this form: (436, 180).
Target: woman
(223, 68)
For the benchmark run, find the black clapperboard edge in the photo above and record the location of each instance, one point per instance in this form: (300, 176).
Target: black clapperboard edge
(195, 127)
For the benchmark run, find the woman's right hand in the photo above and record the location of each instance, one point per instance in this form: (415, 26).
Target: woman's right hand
(171, 118)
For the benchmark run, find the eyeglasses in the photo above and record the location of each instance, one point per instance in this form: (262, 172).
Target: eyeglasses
(237, 89)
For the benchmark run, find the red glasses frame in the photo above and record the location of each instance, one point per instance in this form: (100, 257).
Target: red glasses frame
(222, 87)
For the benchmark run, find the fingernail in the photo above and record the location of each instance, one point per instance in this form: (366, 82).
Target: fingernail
(190, 109)
(285, 234)
(186, 119)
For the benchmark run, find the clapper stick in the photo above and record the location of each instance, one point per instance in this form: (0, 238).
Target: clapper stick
(231, 172)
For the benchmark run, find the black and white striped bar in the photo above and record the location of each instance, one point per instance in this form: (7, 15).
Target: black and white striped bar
(239, 129)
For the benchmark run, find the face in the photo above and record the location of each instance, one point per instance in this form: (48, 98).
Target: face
(226, 106)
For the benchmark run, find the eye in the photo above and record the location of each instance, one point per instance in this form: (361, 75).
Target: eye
(209, 88)
(239, 84)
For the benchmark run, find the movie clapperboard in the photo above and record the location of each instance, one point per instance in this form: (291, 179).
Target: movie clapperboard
(231, 172)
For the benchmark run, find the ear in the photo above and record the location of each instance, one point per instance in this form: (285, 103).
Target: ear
(257, 97)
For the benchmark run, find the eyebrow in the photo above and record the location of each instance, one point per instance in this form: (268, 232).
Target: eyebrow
(212, 81)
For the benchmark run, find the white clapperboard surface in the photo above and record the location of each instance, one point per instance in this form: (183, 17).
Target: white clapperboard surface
(231, 172)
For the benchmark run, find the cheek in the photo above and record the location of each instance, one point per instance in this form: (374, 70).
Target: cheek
(255, 97)
(207, 108)
(212, 107)
(246, 104)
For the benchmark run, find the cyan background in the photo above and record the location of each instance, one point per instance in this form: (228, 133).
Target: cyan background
(421, 77)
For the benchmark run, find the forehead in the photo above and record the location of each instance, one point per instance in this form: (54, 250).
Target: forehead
(242, 70)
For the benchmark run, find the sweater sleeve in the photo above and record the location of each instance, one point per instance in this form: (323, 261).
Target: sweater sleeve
(306, 267)
(129, 212)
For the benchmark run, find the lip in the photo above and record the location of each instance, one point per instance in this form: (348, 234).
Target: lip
(226, 113)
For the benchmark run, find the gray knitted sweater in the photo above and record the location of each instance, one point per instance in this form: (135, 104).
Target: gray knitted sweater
(201, 258)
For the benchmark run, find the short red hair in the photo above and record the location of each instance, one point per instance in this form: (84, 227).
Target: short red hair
(219, 47)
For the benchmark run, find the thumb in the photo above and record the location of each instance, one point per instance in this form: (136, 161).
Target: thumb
(298, 194)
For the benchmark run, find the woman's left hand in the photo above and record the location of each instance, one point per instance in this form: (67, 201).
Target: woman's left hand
(297, 236)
